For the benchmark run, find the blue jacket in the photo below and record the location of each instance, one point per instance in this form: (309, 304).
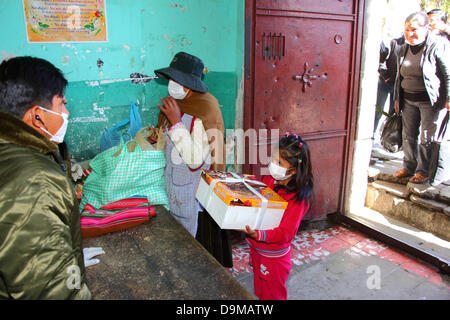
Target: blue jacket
(435, 63)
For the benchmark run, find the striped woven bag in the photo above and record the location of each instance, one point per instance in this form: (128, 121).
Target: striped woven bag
(119, 215)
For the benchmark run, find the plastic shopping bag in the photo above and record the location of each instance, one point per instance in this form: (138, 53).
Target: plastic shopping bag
(111, 136)
(117, 176)
(391, 134)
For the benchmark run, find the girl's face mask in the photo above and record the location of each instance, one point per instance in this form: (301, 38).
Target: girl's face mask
(277, 172)
(176, 90)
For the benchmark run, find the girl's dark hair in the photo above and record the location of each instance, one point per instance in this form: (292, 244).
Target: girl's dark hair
(296, 152)
(28, 81)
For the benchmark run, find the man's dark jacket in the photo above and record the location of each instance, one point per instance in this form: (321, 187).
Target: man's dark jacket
(40, 238)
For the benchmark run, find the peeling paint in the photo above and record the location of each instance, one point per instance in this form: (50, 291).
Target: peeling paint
(92, 83)
(181, 39)
(99, 110)
(8, 55)
(65, 60)
(113, 81)
(88, 119)
(68, 45)
(126, 46)
(182, 8)
(100, 63)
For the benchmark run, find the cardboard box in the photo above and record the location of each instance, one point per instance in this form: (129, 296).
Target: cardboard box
(234, 201)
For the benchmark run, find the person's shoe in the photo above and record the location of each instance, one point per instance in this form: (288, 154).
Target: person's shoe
(402, 173)
(419, 179)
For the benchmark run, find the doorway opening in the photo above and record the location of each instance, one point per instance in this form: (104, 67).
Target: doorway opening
(414, 217)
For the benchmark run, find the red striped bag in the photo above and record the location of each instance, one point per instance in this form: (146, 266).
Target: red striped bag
(115, 216)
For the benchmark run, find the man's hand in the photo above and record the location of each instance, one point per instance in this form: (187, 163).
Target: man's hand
(171, 109)
(250, 232)
(447, 105)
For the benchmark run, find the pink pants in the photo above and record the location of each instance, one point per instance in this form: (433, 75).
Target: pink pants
(270, 275)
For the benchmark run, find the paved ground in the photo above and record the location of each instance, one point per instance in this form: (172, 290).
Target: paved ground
(338, 263)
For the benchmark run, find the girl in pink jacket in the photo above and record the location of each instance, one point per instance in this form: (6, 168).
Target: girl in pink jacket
(270, 250)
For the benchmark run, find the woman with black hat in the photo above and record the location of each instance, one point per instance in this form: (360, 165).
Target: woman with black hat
(195, 132)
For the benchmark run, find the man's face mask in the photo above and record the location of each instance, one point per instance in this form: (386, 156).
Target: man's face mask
(58, 137)
(176, 90)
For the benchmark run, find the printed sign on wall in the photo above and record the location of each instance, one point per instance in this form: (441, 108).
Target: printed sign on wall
(65, 20)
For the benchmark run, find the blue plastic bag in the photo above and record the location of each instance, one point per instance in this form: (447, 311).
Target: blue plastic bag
(135, 121)
(111, 136)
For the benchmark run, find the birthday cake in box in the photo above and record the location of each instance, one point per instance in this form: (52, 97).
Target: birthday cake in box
(235, 200)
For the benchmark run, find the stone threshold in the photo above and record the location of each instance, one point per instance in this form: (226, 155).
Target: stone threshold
(422, 206)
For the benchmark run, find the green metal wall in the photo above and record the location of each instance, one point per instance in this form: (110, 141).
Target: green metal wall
(143, 35)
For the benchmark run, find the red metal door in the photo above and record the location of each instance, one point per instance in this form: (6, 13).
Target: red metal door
(301, 70)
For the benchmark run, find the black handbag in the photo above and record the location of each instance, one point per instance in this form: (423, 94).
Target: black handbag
(391, 134)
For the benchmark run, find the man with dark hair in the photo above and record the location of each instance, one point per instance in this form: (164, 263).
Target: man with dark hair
(438, 23)
(387, 71)
(40, 238)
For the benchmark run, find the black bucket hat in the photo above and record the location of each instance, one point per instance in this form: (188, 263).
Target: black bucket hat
(185, 69)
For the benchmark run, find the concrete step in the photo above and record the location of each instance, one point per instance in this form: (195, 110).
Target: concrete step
(397, 202)
(439, 193)
(423, 206)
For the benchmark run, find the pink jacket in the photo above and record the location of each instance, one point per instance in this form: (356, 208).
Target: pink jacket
(276, 242)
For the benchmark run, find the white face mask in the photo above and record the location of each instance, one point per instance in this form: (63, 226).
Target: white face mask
(58, 137)
(176, 90)
(277, 172)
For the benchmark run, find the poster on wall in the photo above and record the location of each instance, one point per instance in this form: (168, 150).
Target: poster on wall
(65, 20)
